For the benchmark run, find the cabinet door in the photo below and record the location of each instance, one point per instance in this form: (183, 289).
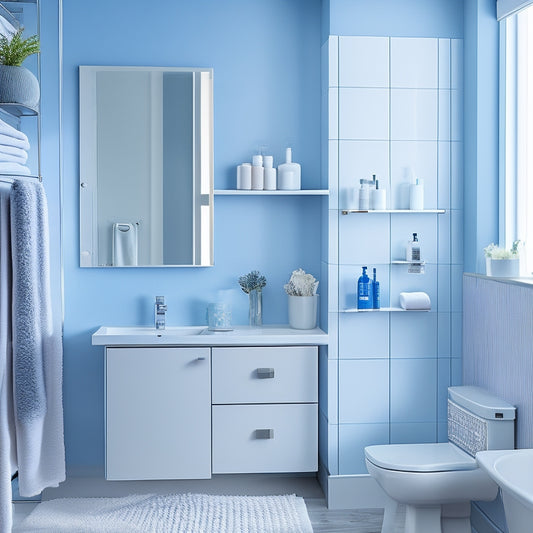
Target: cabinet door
(158, 413)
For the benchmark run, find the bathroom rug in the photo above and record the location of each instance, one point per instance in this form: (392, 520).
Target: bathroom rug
(171, 513)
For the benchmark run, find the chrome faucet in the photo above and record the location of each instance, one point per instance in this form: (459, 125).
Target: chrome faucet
(160, 312)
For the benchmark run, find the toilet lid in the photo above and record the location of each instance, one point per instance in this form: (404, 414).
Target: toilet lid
(441, 457)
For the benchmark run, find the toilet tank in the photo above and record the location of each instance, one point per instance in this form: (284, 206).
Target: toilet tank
(478, 420)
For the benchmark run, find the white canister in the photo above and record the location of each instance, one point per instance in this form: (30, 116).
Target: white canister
(270, 182)
(416, 196)
(303, 311)
(244, 176)
(258, 178)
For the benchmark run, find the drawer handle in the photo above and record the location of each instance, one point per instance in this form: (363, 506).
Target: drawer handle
(264, 433)
(265, 373)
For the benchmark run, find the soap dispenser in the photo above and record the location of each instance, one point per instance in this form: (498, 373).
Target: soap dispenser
(289, 174)
(364, 291)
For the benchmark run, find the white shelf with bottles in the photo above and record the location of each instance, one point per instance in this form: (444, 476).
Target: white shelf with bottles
(394, 211)
(249, 192)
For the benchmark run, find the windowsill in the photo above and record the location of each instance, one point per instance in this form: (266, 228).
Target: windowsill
(522, 281)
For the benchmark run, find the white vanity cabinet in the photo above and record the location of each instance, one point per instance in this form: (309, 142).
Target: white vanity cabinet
(265, 410)
(183, 404)
(158, 413)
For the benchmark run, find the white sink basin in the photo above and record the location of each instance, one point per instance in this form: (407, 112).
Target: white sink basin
(201, 336)
(512, 470)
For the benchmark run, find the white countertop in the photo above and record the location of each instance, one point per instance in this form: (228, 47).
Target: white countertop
(271, 335)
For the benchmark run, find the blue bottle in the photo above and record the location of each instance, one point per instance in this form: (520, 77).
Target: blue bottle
(375, 292)
(364, 291)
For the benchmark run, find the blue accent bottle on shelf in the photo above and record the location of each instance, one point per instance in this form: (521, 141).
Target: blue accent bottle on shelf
(375, 292)
(364, 291)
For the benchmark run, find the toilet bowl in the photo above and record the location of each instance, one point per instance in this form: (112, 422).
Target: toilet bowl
(436, 482)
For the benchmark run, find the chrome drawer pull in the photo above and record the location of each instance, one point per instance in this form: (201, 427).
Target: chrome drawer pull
(264, 433)
(265, 373)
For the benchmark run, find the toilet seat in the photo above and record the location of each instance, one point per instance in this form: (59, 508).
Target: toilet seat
(431, 457)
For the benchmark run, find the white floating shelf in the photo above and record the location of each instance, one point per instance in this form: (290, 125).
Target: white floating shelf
(384, 310)
(394, 211)
(400, 262)
(243, 192)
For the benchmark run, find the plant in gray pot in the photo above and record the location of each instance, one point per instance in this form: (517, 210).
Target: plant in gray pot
(17, 84)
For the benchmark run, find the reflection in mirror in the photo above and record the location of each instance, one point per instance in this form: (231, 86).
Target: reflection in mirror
(146, 166)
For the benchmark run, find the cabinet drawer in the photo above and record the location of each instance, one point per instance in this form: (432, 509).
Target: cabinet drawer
(265, 374)
(265, 438)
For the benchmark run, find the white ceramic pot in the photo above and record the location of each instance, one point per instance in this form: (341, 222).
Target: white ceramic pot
(503, 268)
(303, 311)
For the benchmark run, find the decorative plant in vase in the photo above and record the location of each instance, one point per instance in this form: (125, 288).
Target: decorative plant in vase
(17, 84)
(303, 305)
(502, 262)
(253, 284)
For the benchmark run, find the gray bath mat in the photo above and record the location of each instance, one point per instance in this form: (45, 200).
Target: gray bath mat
(174, 513)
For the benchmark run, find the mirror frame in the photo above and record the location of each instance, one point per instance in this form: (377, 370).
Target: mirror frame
(88, 163)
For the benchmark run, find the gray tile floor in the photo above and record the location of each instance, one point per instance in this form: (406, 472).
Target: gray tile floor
(323, 519)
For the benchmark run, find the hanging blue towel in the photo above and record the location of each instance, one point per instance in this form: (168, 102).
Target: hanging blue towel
(37, 345)
(26, 219)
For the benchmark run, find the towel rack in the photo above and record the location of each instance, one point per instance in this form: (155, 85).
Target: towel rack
(8, 178)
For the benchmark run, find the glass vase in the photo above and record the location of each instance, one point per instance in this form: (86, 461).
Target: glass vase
(256, 315)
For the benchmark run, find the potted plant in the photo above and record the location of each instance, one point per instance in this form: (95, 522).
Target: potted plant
(17, 84)
(303, 300)
(502, 263)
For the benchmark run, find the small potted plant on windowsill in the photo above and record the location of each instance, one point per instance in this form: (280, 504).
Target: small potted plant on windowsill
(503, 263)
(17, 84)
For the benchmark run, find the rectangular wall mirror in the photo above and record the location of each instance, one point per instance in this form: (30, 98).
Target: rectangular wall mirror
(146, 166)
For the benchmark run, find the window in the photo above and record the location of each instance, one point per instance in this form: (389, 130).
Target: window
(516, 139)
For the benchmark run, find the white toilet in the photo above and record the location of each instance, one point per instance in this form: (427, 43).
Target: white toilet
(437, 482)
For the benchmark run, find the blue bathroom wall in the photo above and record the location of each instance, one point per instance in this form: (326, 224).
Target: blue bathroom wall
(481, 130)
(266, 60)
(410, 18)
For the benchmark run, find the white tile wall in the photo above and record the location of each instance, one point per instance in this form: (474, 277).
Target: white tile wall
(413, 114)
(358, 160)
(395, 111)
(409, 160)
(333, 60)
(365, 114)
(363, 391)
(364, 61)
(363, 335)
(444, 63)
(414, 63)
(444, 175)
(364, 240)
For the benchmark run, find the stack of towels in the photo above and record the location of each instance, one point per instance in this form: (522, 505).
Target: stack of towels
(14, 148)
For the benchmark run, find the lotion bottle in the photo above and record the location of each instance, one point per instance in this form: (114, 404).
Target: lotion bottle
(416, 195)
(289, 173)
(413, 249)
(364, 291)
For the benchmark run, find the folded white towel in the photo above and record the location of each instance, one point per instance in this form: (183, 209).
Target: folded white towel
(14, 168)
(13, 154)
(6, 129)
(415, 301)
(9, 140)
(6, 28)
